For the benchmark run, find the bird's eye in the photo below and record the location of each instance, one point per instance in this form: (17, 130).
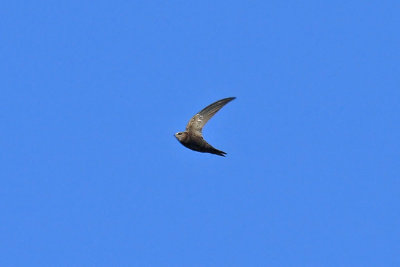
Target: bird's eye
(179, 133)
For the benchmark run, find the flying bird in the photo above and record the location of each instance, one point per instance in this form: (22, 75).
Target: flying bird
(192, 137)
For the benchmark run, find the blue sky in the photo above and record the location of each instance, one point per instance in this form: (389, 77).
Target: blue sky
(92, 93)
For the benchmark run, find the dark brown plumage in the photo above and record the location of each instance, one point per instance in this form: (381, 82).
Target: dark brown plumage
(193, 138)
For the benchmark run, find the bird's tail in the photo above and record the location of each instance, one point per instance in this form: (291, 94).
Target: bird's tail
(218, 152)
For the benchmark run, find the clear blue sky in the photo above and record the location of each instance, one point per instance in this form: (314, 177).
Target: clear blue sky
(93, 91)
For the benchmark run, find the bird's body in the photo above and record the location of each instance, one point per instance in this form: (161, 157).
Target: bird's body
(197, 143)
(192, 138)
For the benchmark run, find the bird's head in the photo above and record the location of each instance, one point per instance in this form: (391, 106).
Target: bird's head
(181, 136)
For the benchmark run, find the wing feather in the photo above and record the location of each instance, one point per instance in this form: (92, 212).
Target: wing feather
(198, 121)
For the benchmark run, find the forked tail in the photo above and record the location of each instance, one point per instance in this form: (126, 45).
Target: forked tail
(218, 152)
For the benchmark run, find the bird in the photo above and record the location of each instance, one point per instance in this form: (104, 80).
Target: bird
(192, 137)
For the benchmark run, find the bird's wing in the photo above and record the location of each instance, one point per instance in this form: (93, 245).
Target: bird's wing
(198, 121)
